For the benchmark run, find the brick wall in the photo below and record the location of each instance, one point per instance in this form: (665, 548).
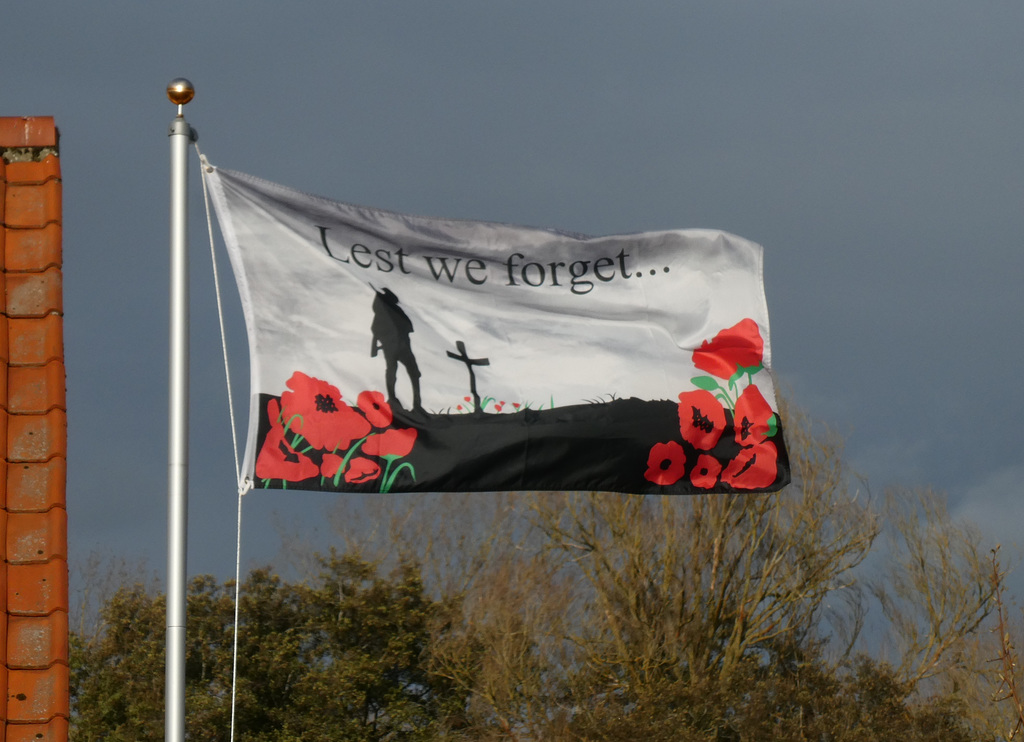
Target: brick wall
(33, 434)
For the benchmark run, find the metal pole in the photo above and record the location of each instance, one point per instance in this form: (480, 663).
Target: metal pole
(180, 91)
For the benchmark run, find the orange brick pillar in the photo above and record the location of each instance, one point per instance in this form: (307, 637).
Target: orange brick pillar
(35, 702)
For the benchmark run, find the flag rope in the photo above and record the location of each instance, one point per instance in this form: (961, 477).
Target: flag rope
(207, 167)
(247, 485)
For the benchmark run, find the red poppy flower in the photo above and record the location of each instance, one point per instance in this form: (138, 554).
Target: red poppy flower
(739, 345)
(705, 472)
(666, 463)
(396, 442)
(701, 419)
(330, 464)
(315, 410)
(277, 459)
(376, 409)
(752, 417)
(753, 468)
(361, 469)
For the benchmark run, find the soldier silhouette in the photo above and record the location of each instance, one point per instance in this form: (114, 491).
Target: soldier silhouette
(391, 328)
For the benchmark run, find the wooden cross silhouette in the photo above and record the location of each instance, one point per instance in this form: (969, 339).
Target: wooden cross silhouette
(463, 356)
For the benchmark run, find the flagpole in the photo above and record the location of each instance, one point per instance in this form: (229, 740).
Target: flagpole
(180, 92)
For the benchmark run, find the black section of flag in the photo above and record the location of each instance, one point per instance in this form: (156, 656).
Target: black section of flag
(603, 446)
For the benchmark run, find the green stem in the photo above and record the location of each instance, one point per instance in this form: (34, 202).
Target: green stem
(724, 396)
(297, 438)
(389, 482)
(348, 456)
(384, 477)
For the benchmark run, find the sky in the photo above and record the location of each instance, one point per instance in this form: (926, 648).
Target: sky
(872, 148)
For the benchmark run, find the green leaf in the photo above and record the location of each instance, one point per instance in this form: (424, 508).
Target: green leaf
(705, 382)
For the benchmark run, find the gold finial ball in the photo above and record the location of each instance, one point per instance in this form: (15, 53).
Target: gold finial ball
(180, 91)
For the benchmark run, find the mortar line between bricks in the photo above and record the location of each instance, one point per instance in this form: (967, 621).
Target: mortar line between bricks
(44, 181)
(21, 227)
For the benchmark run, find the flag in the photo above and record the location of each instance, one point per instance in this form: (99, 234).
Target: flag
(396, 353)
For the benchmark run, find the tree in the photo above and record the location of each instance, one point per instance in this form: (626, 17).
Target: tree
(117, 676)
(339, 659)
(684, 593)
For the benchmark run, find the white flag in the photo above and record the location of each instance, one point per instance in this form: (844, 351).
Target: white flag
(398, 353)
